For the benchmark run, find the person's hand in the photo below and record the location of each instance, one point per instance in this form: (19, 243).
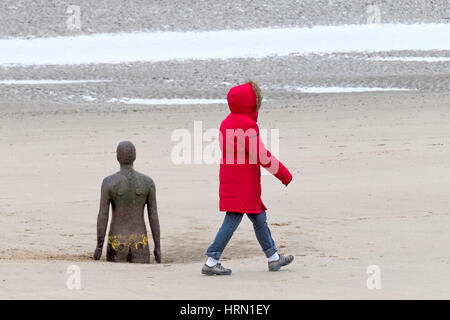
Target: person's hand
(157, 253)
(97, 253)
(287, 180)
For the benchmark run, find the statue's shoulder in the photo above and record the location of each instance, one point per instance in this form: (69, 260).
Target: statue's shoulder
(113, 179)
(145, 179)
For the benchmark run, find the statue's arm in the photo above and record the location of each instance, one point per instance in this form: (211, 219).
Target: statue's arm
(154, 221)
(102, 219)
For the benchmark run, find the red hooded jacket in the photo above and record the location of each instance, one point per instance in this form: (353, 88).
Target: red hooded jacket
(243, 152)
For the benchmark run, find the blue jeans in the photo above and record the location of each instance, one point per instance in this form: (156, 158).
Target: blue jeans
(230, 224)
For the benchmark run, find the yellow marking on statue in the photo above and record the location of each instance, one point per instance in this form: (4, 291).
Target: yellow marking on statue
(115, 244)
(114, 241)
(143, 242)
(130, 240)
(144, 239)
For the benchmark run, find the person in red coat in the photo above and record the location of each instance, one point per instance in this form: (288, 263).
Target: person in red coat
(243, 155)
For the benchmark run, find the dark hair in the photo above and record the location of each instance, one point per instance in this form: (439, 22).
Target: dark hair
(257, 92)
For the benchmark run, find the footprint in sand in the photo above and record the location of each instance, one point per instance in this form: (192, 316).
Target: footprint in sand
(281, 224)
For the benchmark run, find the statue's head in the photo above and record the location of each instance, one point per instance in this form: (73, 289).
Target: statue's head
(126, 153)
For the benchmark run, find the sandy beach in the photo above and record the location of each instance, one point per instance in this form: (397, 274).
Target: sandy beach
(370, 188)
(360, 94)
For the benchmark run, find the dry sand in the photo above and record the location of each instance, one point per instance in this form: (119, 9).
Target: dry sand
(370, 188)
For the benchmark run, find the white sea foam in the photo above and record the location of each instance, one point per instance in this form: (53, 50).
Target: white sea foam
(225, 44)
(411, 59)
(177, 101)
(89, 98)
(344, 89)
(45, 81)
(166, 101)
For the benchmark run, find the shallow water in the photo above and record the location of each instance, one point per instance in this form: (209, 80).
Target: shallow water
(224, 44)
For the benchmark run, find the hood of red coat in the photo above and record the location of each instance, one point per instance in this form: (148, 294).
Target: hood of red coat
(242, 99)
